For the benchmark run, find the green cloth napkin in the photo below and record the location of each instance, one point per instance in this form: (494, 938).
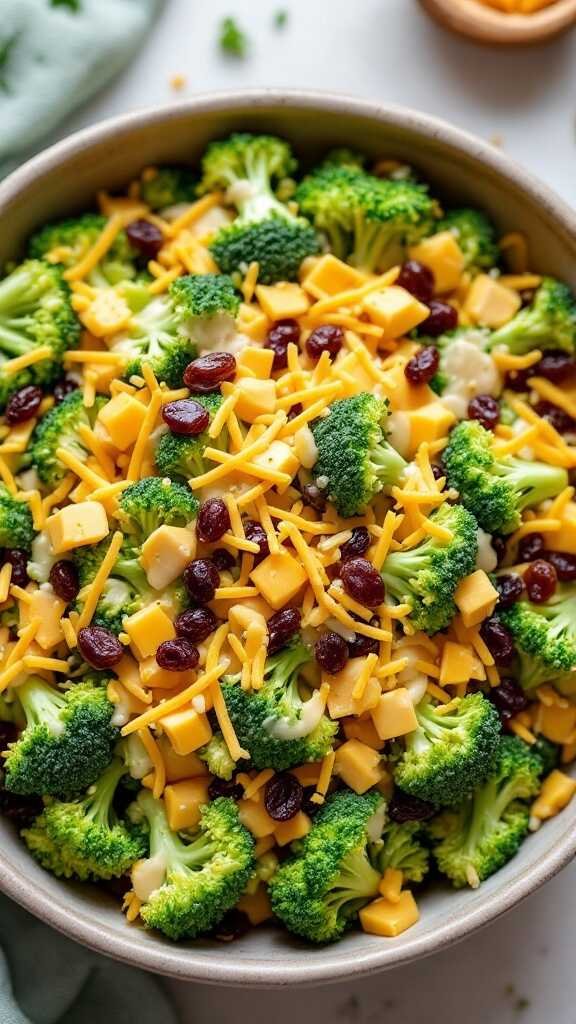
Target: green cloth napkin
(54, 55)
(45, 978)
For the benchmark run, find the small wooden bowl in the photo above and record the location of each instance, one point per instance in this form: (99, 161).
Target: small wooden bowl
(487, 25)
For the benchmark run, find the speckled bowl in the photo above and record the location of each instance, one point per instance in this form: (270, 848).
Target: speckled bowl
(64, 180)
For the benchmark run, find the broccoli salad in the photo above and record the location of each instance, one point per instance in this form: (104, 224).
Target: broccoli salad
(288, 536)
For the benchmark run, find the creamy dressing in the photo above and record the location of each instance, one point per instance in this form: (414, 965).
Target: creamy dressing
(375, 825)
(284, 729)
(398, 427)
(139, 764)
(42, 559)
(470, 372)
(148, 875)
(486, 558)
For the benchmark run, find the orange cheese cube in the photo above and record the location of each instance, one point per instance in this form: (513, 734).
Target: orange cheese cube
(556, 723)
(166, 553)
(296, 828)
(363, 730)
(77, 525)
(307, 774)
(330, 276)
(565, 538)
(256, 905)
(490, 303)
(395, 309)
(122, 417)
(341, 703)
(457, 663)
(256, 398)
(475, 598)
(156, 678)
(279, 578)
(384, 917)
(149, 628)
(102, 375)
(444, 257)
(187, 730)
(394, 714)
(278, 456)
(180, 766)
(358, 765)
(257, 360)
(256, 819)
(45, 606)
(107, 313)
(282, 301)
(252, 322)
(400, 393)
(253, 609)
(556, 793)
(183, 801)
(428, 423)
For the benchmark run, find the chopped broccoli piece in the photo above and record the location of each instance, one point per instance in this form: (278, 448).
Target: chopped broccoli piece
(486, 831)
(342, 156)
(206, 306)
(126, 590)
(59, 429)
(426, 576)
(16, 527)
(402, 849)
(266, 230)
(448, 755)
(182, 457)
(217, 757)
(206, 873)
(85, 839)
(67, 742)
(549, 322)
(35, 312)
(67, 242)
(154, 502)
(353, 454)
(156, 336)
(168, 186)
(232, 40)
(476, 236)
(275, 724)
(496, 489)
(545, 638)
(318, 893)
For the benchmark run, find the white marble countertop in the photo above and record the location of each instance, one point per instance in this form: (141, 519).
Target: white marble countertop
(521, 968)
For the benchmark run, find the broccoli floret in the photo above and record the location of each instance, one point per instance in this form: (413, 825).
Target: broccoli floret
(126, 590)
(265, 230)
(476, 236)
(318, 893)
(342, 156)
(59, 429)
(456, 353)
(67, 742)
(85, 839)
(206, 306)
(402, 849)
(16, 527)
(156, 335)
(549, 322)
(426, 576)
(168, 186)
(154, 502)
(548, 752)
(495, 488)
(66, 242)
(353, 454)
(182, 457)
(448, 755)
(217, 757)
(545, 638)
(367, 220)
(35, 312)
(487, 830)
(206, 872)
(274, 723)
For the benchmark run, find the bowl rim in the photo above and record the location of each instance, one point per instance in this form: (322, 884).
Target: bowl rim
(182, 962)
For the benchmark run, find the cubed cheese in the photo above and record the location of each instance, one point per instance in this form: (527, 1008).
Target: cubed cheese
(307, 774)
(457, 663)
(253, 609)
(395, 309)
(166, 553)
(252, 322)
(429, 423)
(358, 766)
(282, 301)
(256, 819)
(156, 678)
(255, 398)
(280, 457)
(257, 360)
(384, 917)
(77, 525)
(180, 766)
(565, 538)
(45, 606)
(183, 801)
(475, 598)
(330, 276)
(362, 729)
(187, 730)
(444, 257)
(256, 905)
(556, 793)
(341, 703)
(149, 628)
(279, 578)
(490, 303)
(400, 393)
(295, 828)
(122, 417)
(107, 313)
(557, 723)
(394, 714)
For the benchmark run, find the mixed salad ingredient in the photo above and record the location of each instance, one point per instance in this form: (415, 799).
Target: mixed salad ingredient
(288, 544)
(518, 6)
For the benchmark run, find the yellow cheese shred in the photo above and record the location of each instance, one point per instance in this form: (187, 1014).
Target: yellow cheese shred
(155, 755)
(99, 581)
(174, 703)
(12, 366)
(325, 776)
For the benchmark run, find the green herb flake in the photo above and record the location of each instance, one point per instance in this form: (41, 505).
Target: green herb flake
(280, 19)
(232, 40)
(72, 5)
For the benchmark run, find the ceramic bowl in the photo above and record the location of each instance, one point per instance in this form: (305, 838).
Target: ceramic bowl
(491, 26)
(461, 168)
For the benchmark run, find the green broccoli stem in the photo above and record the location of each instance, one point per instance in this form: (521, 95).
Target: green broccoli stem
(372, 238)
(282, 672)
(98, 801)
(130, 570)
(485, 810)
(19, 292)
(356, 883)
(41, 704)
(403, 566)
(179, 857)
(533, 482)
(431, 727)
(386, 462)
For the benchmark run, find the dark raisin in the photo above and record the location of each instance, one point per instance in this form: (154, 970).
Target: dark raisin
(295, 410)
(309, 806)
(416, 279)
(256, 533)
(531, 547)
(186, 417)
(201, 578)
(64, 579)
(63, 388)
(403, 807)
(145, 237)
(213, 520)
(283, 796)
(498, 640)
(23, 404)
(361, 645)
(177, 655)
(422, 367)
(331, 652)
(362, 582)
(540, 580)
(564, 563)
(437, 472)
(442, 317)
(485, 409)
(508, 698)
(195, 624)
(280, 335)
(510, 588)
(225, 787)
(208, 372)
(313, 496)
(559, 419)
(333, 571)
(22, 810)
(499, 544)
(555, 366)
(327, 338)
(99, 647)
(517, 380)
(357, 545)
(282, 626)
(223, 560)
(19, 561)
(8, 733)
